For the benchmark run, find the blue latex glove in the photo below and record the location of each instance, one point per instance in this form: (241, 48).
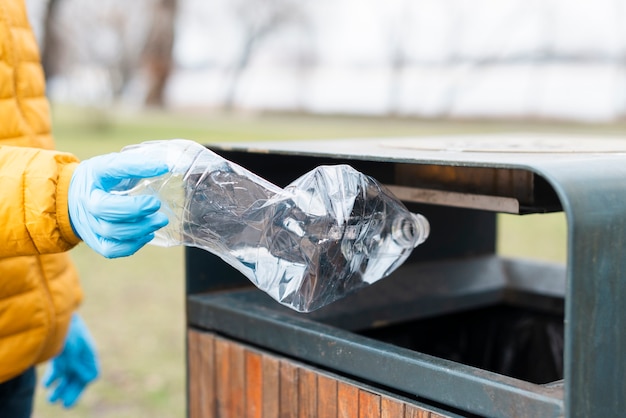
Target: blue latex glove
(114, 225)
(71, 371)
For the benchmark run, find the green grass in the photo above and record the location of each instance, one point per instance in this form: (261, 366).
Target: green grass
(135, 306)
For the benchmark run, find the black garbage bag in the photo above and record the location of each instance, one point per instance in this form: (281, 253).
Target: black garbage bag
(512, 341)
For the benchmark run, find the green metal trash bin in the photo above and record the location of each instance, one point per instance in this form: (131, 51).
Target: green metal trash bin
(457, 330)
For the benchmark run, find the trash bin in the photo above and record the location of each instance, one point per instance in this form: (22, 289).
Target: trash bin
(457, 330)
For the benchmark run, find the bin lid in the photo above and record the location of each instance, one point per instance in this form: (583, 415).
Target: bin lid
(514, 149)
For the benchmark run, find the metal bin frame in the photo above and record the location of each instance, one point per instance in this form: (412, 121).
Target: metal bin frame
(461, 190)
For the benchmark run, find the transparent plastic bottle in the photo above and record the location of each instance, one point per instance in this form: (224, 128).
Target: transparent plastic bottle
(330, 232)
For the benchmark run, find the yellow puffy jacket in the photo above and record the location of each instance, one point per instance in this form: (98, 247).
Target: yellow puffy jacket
(39, 288)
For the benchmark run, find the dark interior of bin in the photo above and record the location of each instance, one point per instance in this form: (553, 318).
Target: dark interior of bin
(514, 341)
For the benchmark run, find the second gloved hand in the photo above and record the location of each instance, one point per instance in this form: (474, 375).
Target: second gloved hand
(114, 225)
(69, 373)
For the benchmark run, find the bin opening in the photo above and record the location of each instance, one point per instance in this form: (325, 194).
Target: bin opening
(514, 341)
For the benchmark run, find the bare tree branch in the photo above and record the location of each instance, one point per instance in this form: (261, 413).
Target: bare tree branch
(259, 19)
(157, 54)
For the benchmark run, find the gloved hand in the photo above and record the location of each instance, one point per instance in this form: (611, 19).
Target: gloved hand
(114, 225)
(72, 370)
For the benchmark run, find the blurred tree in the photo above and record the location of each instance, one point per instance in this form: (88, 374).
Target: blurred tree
(121, 57)
(157, 53)
(50, 42)
(259, 19)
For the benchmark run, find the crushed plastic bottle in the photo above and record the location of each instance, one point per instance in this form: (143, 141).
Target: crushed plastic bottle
(330, 232)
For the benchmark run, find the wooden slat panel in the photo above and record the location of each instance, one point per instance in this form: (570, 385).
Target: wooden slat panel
(390, 408)
(326, 397)
(415, 412)
(480, 180)
(195, 389)
(288, 390)
(369, 404)
(271, 387)
(228, 380)
(222, 366)
(201, 374)
(237, 399)
(254, 384)
(307, 393)
(347, 401)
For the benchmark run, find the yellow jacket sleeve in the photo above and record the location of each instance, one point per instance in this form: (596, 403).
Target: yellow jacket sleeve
(34, 216)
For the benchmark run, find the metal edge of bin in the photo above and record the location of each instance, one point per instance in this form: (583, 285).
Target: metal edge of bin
(593, 195)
